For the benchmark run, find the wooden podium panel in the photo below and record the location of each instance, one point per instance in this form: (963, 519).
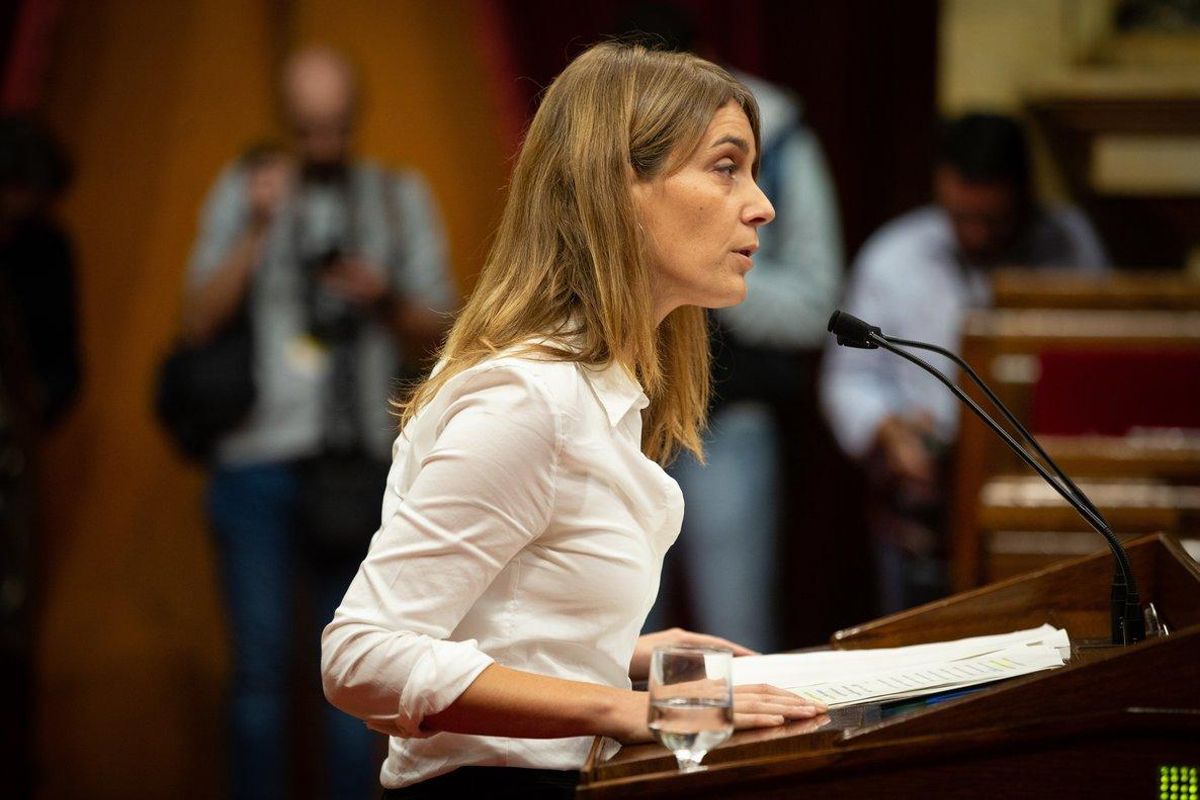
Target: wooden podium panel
(1100, 726)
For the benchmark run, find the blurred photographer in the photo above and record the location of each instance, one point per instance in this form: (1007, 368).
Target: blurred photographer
(337, 270)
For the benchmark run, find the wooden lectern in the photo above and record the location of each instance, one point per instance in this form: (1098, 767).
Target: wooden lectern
(1105, 725)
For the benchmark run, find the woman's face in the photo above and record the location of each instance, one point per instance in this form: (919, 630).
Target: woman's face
(701, 221)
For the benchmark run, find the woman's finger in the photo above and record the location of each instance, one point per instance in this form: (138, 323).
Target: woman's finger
(784, 699)
(743, 721)
(757, 720)
(767, 690)
(763, 689)
(802, 703)
(790, 710)
(705, 640)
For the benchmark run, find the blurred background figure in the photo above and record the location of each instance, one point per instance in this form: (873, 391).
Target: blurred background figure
(37, 267)
(917, 278)
(40, 375)
(727, 554)
(339, 266)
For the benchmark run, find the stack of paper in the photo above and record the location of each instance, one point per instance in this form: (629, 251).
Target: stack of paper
(846, 677)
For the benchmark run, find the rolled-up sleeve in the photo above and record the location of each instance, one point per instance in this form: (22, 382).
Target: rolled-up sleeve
(484, 490)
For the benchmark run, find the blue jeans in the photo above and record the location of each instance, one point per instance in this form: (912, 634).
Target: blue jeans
(251, 509)
(727, 550)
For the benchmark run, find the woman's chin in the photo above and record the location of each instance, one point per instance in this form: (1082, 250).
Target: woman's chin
(731, 294)
(734, 296)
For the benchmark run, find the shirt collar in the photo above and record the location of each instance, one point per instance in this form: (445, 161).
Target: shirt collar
(616, 389)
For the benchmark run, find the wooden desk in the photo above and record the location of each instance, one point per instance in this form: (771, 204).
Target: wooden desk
(1088, 114)
(997, 342)
(1100, 726)
(1024, 525)
(1141, 290)
(1173, 457)
(1017, 503)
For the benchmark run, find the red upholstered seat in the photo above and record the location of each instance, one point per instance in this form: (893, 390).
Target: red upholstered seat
(1110, 392)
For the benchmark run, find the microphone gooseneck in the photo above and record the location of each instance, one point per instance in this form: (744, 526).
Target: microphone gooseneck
(1008, 415)
(1128, 625)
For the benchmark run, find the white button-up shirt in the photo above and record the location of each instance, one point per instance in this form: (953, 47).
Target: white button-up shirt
(522, 525)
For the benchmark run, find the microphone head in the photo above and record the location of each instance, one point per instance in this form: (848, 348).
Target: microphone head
(852, 331)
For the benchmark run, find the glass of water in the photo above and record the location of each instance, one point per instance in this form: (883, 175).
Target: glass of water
(691, 701)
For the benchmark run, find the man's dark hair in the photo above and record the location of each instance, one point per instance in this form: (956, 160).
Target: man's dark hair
(987, 148)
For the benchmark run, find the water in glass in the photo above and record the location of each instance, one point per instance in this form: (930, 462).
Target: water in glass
(691, 701)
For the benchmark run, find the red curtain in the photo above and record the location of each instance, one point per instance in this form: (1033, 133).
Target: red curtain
(30, 44)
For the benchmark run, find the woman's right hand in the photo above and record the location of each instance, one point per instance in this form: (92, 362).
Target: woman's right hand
(756, 705)
(760, 705)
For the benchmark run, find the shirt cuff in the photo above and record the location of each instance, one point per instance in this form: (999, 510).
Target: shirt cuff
(442, 674)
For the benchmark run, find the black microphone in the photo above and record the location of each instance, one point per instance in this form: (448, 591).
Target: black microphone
(1128, 624)
(852, 331)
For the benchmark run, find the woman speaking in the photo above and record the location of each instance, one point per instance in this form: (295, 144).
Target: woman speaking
(492, 629)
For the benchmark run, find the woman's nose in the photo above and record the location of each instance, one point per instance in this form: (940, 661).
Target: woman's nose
(759, 210)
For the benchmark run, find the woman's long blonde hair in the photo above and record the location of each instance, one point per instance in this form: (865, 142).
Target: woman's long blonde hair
(568, 258)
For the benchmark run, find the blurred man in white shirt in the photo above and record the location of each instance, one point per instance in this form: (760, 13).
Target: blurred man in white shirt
(917, 278)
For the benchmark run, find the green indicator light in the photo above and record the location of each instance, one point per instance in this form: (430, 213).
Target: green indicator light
(1178, 782)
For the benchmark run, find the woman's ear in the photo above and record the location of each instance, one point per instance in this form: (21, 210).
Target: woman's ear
(640, 189)
(631, 174)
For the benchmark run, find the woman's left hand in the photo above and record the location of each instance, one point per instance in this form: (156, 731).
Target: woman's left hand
(639, 666)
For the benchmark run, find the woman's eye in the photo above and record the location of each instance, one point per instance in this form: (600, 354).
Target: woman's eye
(728, 168)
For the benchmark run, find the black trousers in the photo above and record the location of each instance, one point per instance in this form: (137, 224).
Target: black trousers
(495, 783)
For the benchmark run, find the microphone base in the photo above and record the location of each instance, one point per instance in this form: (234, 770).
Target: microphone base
(1092, 645)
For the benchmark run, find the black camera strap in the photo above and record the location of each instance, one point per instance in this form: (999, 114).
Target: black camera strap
(332, 321)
